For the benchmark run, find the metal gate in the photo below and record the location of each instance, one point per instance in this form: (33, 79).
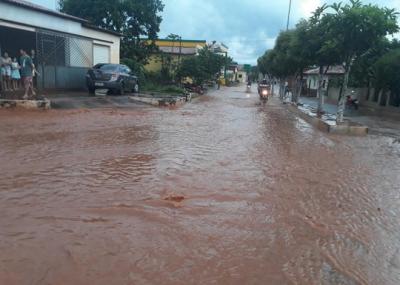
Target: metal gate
(62, 60)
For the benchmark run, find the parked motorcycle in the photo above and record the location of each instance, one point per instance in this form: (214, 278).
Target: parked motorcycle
(192, 88)
(352, 103)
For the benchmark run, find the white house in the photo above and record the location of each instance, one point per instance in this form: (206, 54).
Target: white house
(312, 76)
(66, 46)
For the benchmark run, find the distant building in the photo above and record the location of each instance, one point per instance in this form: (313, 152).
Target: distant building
(175, 49)
(66, 46)
(219, 48)
(241, 74)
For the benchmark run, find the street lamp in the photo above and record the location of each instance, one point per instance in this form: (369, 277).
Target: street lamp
(288, 17)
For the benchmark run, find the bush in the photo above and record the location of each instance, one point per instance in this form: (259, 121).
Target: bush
(159, 88)
(137, 69)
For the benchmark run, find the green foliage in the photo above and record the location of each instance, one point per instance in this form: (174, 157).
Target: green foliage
(363, 72)
(353, 34)
(206, 66)
(358, 27)
(137, 68)
(309, 44)
(154, 87)
(387, 75)
(133, 19)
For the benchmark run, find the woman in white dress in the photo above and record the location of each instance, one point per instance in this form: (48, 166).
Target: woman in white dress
(15, 75)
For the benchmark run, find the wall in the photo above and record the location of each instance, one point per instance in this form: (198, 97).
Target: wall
(155, 63)
(243, 79)
(105, 39)
(183, 43)
(379, 107)
(312, 81)
(356, 93)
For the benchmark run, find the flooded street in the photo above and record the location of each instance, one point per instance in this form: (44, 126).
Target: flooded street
(220, 191)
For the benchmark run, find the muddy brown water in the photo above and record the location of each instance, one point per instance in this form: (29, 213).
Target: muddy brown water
(221, 191)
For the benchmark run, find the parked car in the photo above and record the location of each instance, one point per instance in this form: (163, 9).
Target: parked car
(117, 78)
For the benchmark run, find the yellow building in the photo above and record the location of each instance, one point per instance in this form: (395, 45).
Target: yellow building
(174, 50)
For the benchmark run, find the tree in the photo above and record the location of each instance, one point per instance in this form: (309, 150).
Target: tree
(279, 62)
(205, 66)
(358, 28)
(190, 67)
(323, 46)
(269, 65)
(133, 19)
(302, 53)
(387, 75)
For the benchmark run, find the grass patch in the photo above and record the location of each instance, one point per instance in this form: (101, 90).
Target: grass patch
(167, 89)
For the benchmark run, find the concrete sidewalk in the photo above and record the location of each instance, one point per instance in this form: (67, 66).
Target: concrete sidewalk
(327, 107)
(385, 126)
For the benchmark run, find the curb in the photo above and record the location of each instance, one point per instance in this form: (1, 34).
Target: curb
(160, 102)
(351, 129)
(25, 104)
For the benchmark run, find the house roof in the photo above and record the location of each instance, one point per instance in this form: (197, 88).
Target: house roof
(38, 8)
(332, 70)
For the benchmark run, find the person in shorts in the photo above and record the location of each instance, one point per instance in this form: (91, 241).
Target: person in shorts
(26, 71)
(15, 75)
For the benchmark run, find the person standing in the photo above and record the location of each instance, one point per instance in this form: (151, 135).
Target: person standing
(6, 71)
(34, 72)
(1, 75)
(27, 68)
(15, 75)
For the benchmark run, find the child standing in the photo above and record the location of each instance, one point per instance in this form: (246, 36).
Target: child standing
(15, 75)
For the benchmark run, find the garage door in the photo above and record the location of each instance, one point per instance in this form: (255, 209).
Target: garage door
(101, 54)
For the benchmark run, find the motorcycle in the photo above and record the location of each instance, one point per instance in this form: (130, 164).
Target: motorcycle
(248, 88)
(264, 94)
(264, 90)
(352, 103)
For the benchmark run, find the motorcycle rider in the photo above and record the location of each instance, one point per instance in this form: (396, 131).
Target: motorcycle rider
(350, 102)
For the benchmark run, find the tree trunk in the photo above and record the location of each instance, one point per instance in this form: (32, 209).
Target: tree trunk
(342, 96)
(299, 89)
(320, 96)
(273, 88)
(281, 89)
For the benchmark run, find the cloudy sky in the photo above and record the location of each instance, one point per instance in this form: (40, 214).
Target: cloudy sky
(248, 27)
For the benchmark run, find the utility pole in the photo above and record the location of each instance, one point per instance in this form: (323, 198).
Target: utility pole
(288, 17)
